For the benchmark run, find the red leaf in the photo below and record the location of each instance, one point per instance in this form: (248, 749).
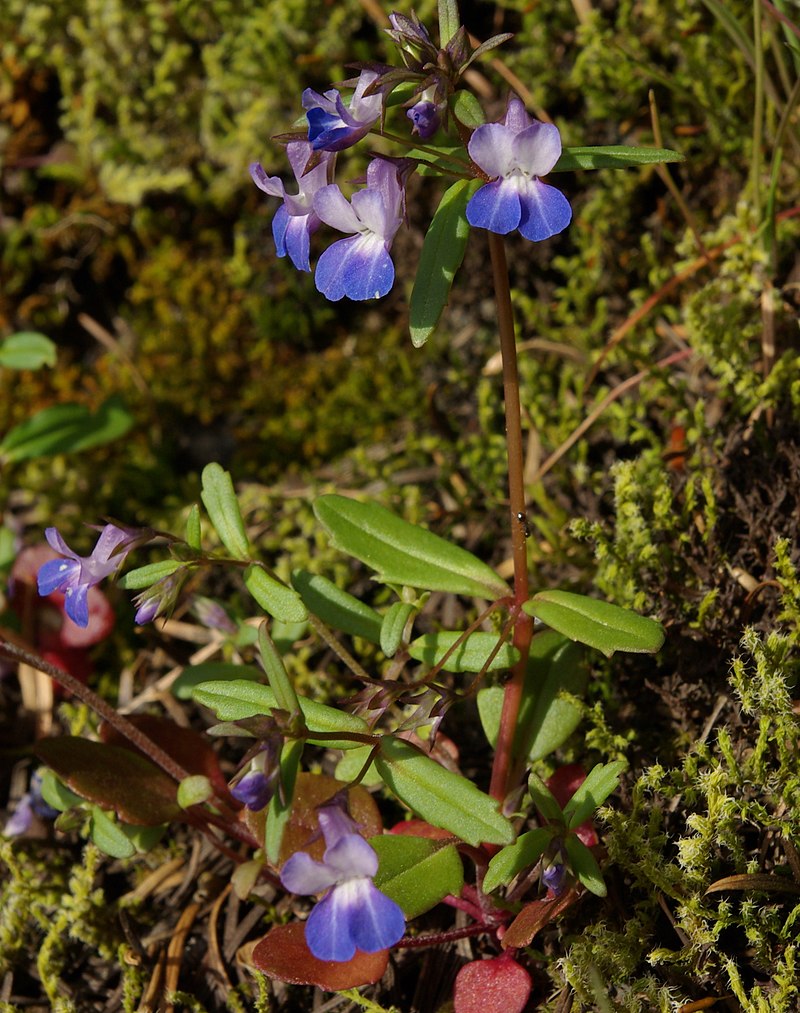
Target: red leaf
(114, 778)
(499, 985)
(283, 954)
(419, 828)
(534, 916)
(186, 746)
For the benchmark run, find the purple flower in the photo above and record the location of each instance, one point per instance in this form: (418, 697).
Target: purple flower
(255, 790)
(295, 220)
(159, 597)
(331, 126)
(76, 574)
(353, 914)
(553, 878)
(425, 117)
(518, 151)
(360, 267)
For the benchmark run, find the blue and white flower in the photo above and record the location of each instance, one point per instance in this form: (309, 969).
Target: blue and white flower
(360, 267)
(332, 126)
(295, 220)
(517, 152)
(353, 914)
(75, 574)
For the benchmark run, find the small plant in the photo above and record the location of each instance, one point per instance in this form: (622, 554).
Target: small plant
(281, 820)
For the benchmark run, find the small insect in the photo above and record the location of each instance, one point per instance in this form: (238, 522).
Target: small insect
(523, 521)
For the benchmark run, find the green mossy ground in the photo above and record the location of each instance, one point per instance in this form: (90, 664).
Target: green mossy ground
(125, 134)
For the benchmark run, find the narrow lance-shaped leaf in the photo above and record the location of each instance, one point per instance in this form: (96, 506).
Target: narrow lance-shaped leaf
(393, 626)
(584, 865)
(521, 855)
(278, 600)
(442, 253)
(279, 681)
(336, 607)
(237, 700)
(613, 156)
(596, 623)
(471, 655)
(449, 21)
(219, 499)
(439, 796)
(280, 806)
(403, 553)
(66, 428)
(599, 784)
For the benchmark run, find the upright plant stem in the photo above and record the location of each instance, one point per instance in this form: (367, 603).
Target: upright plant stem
(523, 628)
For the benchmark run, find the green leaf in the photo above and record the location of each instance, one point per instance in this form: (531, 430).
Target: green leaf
(212, 671)
(402, 553)
(336, 607)
(194, 790)
(219, 499)
(66, 428)
(445, 157)
(280, 805)
(584, 865)
(449, 21)
(439, 796)
(351, 766)
(193, 528)
(275, 598)
(467, 110)
(599, 784)
(237, 699)
(596, 623)
(146, 576)
(470, 656)
(56, 793)
(613, 156)
(108, 835)
(394, 625)
(277, 676)
(27, 350)
(545, 722)
(522, 854)
(442, 253)
(415, 872)
(544, 800)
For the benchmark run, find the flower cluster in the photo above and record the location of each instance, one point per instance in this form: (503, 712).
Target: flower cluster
(511, 156)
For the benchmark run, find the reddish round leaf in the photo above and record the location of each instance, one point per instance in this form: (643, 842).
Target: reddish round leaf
(499, 985)
(283, 954)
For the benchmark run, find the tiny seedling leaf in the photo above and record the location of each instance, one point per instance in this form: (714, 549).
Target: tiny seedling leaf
(402, 553)
(598, 624)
